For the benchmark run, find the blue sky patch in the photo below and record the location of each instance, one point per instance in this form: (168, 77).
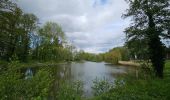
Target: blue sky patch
(103, 2)
(99, 2)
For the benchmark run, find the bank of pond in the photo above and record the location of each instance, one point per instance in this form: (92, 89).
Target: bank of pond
(80, 81)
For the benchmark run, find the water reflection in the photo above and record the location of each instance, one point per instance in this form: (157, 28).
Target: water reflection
(28, 73)
(89, 71)
(85, 72)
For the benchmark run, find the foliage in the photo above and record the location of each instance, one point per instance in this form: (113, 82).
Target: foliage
(14, 86)
(71, 91)
(88, 56)
(49, 47)
(112, 56)
(141, 88)
(138, 49)
(151, 20)
(15, 27)
(116, 54)
(22, 39)
(101, 86)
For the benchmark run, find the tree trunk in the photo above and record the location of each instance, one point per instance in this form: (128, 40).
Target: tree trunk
(26, 48)
(156, 48)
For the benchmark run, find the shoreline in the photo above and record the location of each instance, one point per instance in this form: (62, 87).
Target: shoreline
(128, 63)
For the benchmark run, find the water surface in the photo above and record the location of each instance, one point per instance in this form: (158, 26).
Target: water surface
(87, 72)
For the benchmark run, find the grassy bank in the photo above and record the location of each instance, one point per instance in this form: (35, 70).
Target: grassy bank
(142, 88)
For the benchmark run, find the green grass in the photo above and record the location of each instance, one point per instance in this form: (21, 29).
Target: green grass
(140, 89)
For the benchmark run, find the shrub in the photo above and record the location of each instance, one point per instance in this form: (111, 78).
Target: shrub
(101, 86)
(70, 91)
(13, 86)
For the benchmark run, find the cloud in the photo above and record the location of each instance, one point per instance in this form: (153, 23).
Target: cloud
(91, 25)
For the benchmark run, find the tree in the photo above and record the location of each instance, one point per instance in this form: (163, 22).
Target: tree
(151, 21)
(49, 44)
(138, 49)
(9, 14)
(28, 24)
(15, 28)
(116, 54)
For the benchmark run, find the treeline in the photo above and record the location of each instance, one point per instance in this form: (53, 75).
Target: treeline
(112, 56)
(116, 54)
(22, 38)
(81, 55)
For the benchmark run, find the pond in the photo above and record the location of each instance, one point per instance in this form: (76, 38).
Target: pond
(87, 72)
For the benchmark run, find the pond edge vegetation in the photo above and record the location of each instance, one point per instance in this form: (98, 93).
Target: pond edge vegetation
(25, 43)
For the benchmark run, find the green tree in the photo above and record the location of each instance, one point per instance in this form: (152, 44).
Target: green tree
(9, 15)
(138, 49)
(49, 45)
(15, 28)
(151, 20)
(28, 24)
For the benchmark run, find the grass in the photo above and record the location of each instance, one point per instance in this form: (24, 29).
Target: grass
(140, 88)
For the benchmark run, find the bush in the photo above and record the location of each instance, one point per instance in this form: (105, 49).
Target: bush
(70, 91)
(101, 86)
(14, 87)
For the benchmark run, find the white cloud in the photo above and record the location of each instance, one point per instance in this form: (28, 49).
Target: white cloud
(92, 25)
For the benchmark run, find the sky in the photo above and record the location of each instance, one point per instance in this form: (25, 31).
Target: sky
(94, 26)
